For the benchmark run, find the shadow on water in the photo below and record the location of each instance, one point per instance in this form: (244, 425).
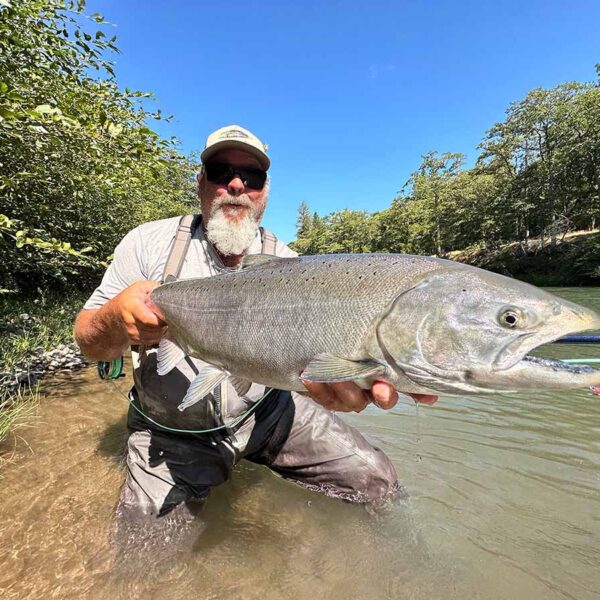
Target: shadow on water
(112, 442)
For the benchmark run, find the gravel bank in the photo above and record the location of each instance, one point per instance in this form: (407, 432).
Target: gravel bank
(28, 373)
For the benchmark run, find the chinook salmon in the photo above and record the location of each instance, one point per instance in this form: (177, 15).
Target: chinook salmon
(424, 325)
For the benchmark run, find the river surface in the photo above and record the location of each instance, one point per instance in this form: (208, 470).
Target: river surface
(504, 504)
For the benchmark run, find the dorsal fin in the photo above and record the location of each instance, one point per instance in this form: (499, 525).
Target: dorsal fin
(255, 260)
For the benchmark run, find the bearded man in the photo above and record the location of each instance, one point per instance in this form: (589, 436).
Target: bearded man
(172, 460)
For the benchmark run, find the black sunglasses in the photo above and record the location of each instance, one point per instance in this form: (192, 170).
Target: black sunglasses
(223, 173)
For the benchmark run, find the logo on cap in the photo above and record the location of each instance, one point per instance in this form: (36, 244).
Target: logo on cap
(233, 133)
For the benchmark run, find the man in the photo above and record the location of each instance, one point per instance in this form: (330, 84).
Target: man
(170, 465)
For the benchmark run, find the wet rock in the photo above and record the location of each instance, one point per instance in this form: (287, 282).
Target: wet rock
(27, 380)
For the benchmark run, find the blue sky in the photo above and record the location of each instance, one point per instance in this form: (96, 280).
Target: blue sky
(348, 95)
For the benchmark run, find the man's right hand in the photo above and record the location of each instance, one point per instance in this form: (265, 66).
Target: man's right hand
(140, 317)
(129, 318)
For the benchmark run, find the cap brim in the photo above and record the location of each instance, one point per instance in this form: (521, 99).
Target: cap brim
(263, 159)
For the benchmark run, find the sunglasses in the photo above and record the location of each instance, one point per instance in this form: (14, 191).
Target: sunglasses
(223, 173)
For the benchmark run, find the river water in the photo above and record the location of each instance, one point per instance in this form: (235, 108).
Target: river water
(504, 504)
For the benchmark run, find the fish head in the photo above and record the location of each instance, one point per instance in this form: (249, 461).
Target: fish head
(468, 330)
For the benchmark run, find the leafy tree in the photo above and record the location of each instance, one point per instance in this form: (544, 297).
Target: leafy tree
(537, 175)
(547, 152)
(428, 188)
(79, 165)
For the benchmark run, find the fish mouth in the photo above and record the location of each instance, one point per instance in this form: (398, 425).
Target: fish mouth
(558, 365)
(515, 368)
(534, 372)
(579, 320)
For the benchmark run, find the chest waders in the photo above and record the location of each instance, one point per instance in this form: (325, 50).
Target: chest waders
(183, 236)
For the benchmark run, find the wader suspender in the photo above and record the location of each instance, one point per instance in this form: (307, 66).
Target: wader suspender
(269, 241)
(179, 249)
(180, 246)
(183, 237)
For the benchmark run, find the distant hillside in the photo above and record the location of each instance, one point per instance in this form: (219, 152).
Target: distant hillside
(574, 261)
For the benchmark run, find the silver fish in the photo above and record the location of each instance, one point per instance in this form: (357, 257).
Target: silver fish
(423, 324)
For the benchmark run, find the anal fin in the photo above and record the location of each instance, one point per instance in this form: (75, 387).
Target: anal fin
(168, 356)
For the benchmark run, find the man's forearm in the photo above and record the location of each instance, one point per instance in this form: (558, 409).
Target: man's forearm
(100, 333)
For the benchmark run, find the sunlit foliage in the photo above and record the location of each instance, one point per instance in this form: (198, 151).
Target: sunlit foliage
(79, 165)
(537, 176)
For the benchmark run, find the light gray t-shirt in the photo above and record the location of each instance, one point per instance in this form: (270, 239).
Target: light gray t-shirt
(142, 254)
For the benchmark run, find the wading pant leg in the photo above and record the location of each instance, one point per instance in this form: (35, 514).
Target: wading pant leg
(165, 471)
(323, 453)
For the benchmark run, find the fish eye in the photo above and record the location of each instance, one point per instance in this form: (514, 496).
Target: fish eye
(511, 318)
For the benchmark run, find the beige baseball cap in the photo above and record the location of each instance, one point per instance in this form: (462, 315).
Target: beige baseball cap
(234, 136)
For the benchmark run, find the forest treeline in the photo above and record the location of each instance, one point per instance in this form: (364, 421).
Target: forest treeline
(537, 176)
(79, 164)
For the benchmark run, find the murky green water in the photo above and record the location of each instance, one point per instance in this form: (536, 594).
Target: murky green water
(505, 504)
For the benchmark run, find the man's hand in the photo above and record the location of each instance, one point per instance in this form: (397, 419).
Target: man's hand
(348, 397)
(140, 317)
(129, 318)
(423, 398)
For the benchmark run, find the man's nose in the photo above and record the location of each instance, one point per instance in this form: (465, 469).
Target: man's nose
(236, 186)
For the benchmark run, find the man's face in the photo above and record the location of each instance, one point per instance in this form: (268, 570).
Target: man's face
(231, 210)
(233, 199)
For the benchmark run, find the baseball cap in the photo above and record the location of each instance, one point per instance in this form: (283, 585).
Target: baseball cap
(234, 136)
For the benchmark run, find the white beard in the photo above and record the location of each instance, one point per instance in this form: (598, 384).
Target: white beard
(231, 238)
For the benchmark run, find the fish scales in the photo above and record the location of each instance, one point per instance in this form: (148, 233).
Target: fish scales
(323, 304)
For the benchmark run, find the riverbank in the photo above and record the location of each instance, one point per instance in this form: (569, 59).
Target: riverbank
(573, 261)
(35, 339)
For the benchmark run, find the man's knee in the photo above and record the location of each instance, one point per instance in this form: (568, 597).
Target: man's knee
(382, 480)
(146, 486)
(165, 472)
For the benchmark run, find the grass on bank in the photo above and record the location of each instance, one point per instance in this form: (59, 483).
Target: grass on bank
(17, 411)
(30, 325)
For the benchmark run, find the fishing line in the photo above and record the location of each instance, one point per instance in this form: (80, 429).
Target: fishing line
(580, 338)
(110, 371)
(233, 424)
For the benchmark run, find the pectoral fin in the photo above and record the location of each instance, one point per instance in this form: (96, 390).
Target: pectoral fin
(205, 382)
(168, 356)
(328, 368)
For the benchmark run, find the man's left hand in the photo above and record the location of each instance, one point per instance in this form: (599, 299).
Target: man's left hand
(348, 397)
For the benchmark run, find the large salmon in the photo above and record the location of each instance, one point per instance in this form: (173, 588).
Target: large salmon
(423, 324)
